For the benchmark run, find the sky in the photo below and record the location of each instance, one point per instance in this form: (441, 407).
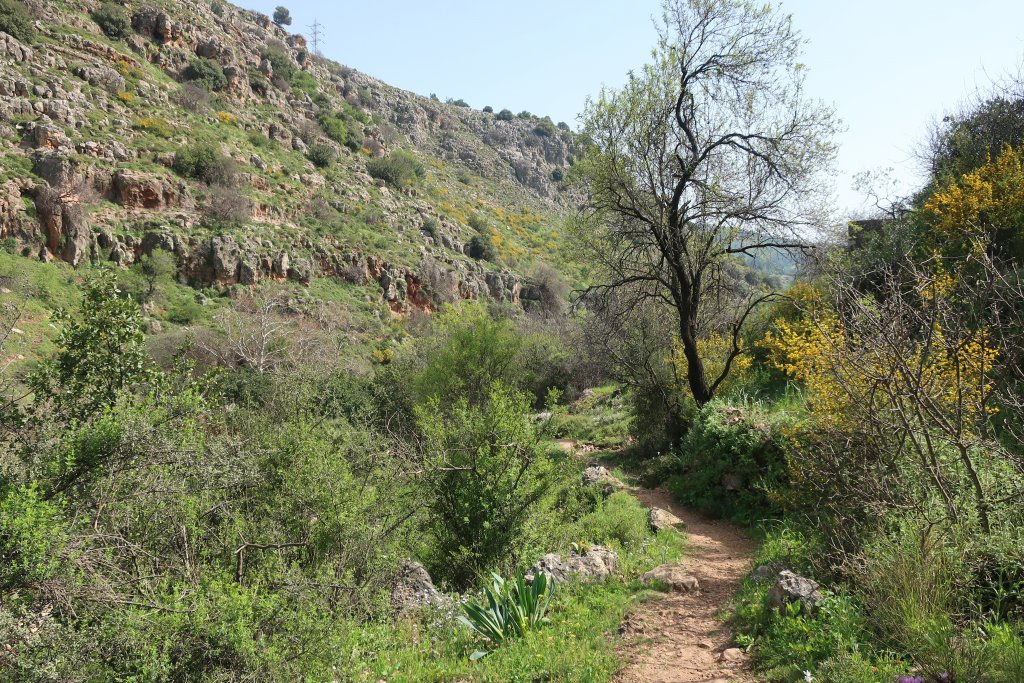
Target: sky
(891, 68)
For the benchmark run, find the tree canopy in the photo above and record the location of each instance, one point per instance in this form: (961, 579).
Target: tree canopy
(709, 152)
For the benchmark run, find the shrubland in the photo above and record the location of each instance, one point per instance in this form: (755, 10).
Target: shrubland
(242, 505)
(870, 436)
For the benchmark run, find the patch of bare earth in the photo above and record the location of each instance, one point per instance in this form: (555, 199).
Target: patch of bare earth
(681, 638)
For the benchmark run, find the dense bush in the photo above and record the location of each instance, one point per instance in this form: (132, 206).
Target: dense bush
(322, 155)
(732, 462)
(282, 17)
(505, 115)
(112, 20)
(206, 73)
(400, 169)
(545, 128)
(488, 109)
(205, 162)
(480, 247)
(16, 20)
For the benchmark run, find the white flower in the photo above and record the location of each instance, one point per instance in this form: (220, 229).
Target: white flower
(808, 676)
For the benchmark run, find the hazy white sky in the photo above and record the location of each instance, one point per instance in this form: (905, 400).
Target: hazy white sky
(890, 67)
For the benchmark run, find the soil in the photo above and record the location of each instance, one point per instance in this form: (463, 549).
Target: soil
(681, 637)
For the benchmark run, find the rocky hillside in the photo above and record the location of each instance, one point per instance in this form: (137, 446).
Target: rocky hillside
(207, 131)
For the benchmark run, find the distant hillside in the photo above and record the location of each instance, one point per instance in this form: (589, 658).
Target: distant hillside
(207, 131)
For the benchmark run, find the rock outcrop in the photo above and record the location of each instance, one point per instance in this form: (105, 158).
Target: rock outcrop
(596, 563)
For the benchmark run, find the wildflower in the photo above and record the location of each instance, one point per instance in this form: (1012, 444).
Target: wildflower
(808, 676)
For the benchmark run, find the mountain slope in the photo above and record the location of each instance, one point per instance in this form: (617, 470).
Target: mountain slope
(193, 128)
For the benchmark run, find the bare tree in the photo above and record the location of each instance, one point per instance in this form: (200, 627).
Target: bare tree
(255, 332)
(710, 152)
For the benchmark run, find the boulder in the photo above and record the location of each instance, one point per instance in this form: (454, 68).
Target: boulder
(600, 475)
(595, 564)
(414, 589)
(660, 520)
(672, 575)
(766, 572)
(789, 588)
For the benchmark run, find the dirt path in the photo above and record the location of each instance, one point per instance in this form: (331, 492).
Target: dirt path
(678, 639)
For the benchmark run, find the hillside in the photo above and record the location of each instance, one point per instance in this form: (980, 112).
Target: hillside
(194, 128)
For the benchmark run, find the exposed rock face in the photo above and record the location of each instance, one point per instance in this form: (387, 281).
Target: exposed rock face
(225, 259)
(596, 564)
(673, 576)
(414, 589)
(135, 190)
(789, 588)
(660, 520)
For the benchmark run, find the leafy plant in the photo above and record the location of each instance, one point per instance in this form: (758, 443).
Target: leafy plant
(112, 20)
(207, 73)
(400, 169)
(16, 20)
(512, 609)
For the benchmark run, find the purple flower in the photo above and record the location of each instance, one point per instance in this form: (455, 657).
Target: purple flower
(945, 677)
(910, 679)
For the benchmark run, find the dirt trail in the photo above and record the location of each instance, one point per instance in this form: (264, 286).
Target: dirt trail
(678, 639)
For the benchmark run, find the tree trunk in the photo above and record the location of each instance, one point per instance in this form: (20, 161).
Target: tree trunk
(695, 375)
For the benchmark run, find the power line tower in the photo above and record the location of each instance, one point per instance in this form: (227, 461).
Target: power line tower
(316, 34)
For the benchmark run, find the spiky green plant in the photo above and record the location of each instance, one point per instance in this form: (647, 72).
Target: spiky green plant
(512, 608)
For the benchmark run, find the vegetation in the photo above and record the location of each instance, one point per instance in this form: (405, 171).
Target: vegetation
(16, 20)
(112, 20)
(680, 180)
(400, 169)
(206, 73)
(282, 17)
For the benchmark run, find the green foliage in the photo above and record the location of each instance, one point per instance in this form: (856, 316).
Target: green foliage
(112, 20)
(400, 169)
(344, 127)
(280, 61)
(488, 109)
(205, 162)
(206, 73)
(512, 609)
(480, 248)
(32, 537)
(101, 352)
(16, 20)
(505, 115)
(732, 461)
(322, 155)
(282, 17)
(157, 268)
(486, 473)
(545, 128)
(469, 353)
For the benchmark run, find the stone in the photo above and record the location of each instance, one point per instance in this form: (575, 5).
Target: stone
(673, 576)
(733, 656)
(766, 572)
(225, 259)
(413, 589)
(599, 475)
(595, 564)
(661, 520)
(790, 588)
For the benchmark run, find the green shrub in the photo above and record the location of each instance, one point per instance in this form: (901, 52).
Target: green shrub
(322, 155)
(524, 115)
(16, 20)
(480, 248)
(204, 161)
(545, 128)
(112, 20)
(617, 520)
(505, 115)
(732, 462)
(479, 509)
(282, 17)
(488, 109)
(400, 169)
(280, 61)
(207, 73)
